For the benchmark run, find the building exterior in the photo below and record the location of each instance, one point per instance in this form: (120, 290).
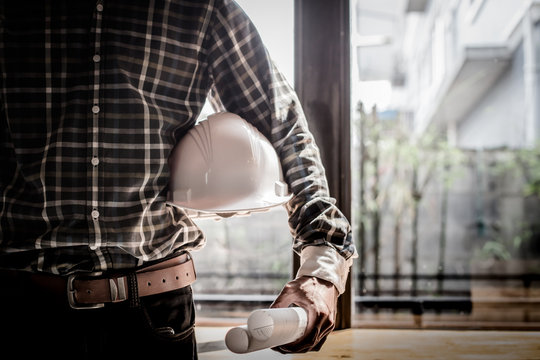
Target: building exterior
(472, 69)
(468, 72)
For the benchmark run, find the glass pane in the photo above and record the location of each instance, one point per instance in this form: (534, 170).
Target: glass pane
(446, 162)
(247, 260)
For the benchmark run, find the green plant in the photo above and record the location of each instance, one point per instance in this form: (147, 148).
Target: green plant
(523, 165)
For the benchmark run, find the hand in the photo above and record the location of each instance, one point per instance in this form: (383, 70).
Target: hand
(319, 298)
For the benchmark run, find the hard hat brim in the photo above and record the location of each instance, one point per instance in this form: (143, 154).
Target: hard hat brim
(246, 206)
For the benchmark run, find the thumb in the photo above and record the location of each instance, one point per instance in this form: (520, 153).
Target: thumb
(281, 302)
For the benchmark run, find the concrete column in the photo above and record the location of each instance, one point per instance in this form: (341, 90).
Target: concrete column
(531, 72)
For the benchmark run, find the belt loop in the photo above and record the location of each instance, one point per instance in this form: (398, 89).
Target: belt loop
(133, 290)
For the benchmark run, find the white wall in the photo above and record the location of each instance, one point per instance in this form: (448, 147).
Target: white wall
(499, 118)
(488, 21)
(275, 22)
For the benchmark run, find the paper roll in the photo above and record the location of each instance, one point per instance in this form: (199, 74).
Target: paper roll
(267, 328)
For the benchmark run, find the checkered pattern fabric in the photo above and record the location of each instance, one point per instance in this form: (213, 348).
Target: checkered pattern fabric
(95, 95)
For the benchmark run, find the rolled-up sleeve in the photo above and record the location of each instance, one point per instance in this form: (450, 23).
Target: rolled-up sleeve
(245, 81)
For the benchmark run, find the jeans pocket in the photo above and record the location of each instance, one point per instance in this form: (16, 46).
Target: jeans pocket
(170, 315)
(171, 336)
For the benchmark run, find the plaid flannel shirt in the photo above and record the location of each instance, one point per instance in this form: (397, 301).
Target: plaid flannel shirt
(95, 95)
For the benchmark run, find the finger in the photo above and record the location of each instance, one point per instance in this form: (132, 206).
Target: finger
(321, 338)
(279, 350)
(287, 349)
(285, 299)
(324, 326)
(301, 345)
(278, 303)
(327, 326)
(304, 344)
(282, 301)
(324, 334)
(318, 346)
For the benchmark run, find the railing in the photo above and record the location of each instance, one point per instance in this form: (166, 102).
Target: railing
(431, 300)
(490, 301)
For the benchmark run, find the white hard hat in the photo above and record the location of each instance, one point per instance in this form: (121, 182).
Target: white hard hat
(224, 166)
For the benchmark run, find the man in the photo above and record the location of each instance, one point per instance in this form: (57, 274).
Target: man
(95, 95)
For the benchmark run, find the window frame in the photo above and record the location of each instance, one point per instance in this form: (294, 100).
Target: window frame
(322, 82)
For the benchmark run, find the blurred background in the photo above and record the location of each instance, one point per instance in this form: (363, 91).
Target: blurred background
(446, 187)
(445, 170)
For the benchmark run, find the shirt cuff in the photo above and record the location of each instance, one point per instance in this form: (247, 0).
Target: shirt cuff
(324, 262)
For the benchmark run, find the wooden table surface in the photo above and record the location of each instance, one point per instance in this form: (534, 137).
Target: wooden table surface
(369, 344)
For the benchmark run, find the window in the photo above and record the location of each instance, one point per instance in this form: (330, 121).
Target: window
(446, 166)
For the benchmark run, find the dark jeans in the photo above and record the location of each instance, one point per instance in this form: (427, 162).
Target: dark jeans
(43, 325)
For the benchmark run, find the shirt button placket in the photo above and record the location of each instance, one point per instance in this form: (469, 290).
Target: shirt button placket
(96, 113)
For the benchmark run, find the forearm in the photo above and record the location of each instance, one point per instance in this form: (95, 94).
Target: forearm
(245, 82)
(322, 233)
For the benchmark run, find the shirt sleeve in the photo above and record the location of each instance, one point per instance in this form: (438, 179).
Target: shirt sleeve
(245, 81)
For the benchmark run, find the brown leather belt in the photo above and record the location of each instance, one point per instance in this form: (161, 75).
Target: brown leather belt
(94, 290)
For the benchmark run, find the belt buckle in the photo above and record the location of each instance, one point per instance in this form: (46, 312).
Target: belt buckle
(71, 293)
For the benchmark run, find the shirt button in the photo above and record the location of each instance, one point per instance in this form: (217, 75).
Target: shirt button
(95, 109)
(99, 7)
(95, 214)
(95, 161)
(96, 58)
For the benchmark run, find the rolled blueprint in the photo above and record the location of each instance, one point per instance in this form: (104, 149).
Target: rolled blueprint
(267, 328)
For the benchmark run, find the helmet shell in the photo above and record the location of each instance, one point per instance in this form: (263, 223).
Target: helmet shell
(225, 166)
